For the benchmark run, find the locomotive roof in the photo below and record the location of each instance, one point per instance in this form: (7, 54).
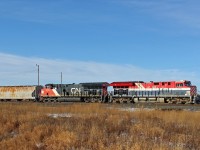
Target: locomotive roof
(86, 83)
(95, 83)
(129, 82)
(19, 85)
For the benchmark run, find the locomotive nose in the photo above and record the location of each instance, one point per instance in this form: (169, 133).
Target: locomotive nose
(42, 91)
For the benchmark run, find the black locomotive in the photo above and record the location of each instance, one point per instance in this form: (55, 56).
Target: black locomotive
(87, 92)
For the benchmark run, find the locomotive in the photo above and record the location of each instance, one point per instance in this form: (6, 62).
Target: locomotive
(83, 92)
(168, 91)
(120, 92)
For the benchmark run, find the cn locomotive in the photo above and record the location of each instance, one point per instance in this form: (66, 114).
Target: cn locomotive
(121, 92)
(84, 92)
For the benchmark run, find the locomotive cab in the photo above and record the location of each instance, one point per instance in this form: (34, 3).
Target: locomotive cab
(187, 83)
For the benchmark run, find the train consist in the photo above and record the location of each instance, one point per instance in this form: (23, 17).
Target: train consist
(130, 92)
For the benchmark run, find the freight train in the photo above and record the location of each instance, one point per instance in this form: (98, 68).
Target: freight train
(121, 92)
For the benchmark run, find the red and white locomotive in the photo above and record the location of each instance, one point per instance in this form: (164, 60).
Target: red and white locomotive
(167, 91)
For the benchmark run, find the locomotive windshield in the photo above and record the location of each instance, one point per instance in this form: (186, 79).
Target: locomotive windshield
(187, 83)
(49, 86)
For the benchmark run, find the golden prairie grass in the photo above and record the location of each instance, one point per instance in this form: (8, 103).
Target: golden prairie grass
(95, 127)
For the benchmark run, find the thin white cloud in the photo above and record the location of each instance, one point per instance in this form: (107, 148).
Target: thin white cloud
(50, 11)
(34, 11)
(18, 70)
(179, 11)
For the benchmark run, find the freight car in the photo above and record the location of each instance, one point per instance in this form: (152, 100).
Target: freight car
(82, 92)
(168, 92)
(19, 93)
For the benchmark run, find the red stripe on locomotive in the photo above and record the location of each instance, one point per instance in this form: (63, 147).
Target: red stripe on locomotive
(145, 85)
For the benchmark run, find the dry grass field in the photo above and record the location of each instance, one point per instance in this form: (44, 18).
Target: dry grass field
(95, 127)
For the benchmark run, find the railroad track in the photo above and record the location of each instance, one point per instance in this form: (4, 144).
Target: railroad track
(141, 105)
(163, 106)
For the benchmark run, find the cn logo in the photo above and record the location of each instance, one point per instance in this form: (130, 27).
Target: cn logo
(75, 90)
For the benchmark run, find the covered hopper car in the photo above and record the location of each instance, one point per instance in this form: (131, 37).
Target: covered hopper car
(19, 93)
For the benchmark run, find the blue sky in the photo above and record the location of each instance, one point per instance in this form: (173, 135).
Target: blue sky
(93, 40)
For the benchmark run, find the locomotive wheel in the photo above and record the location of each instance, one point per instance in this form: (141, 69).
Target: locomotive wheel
(104, 100)
(86, 100)
(55, 101)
